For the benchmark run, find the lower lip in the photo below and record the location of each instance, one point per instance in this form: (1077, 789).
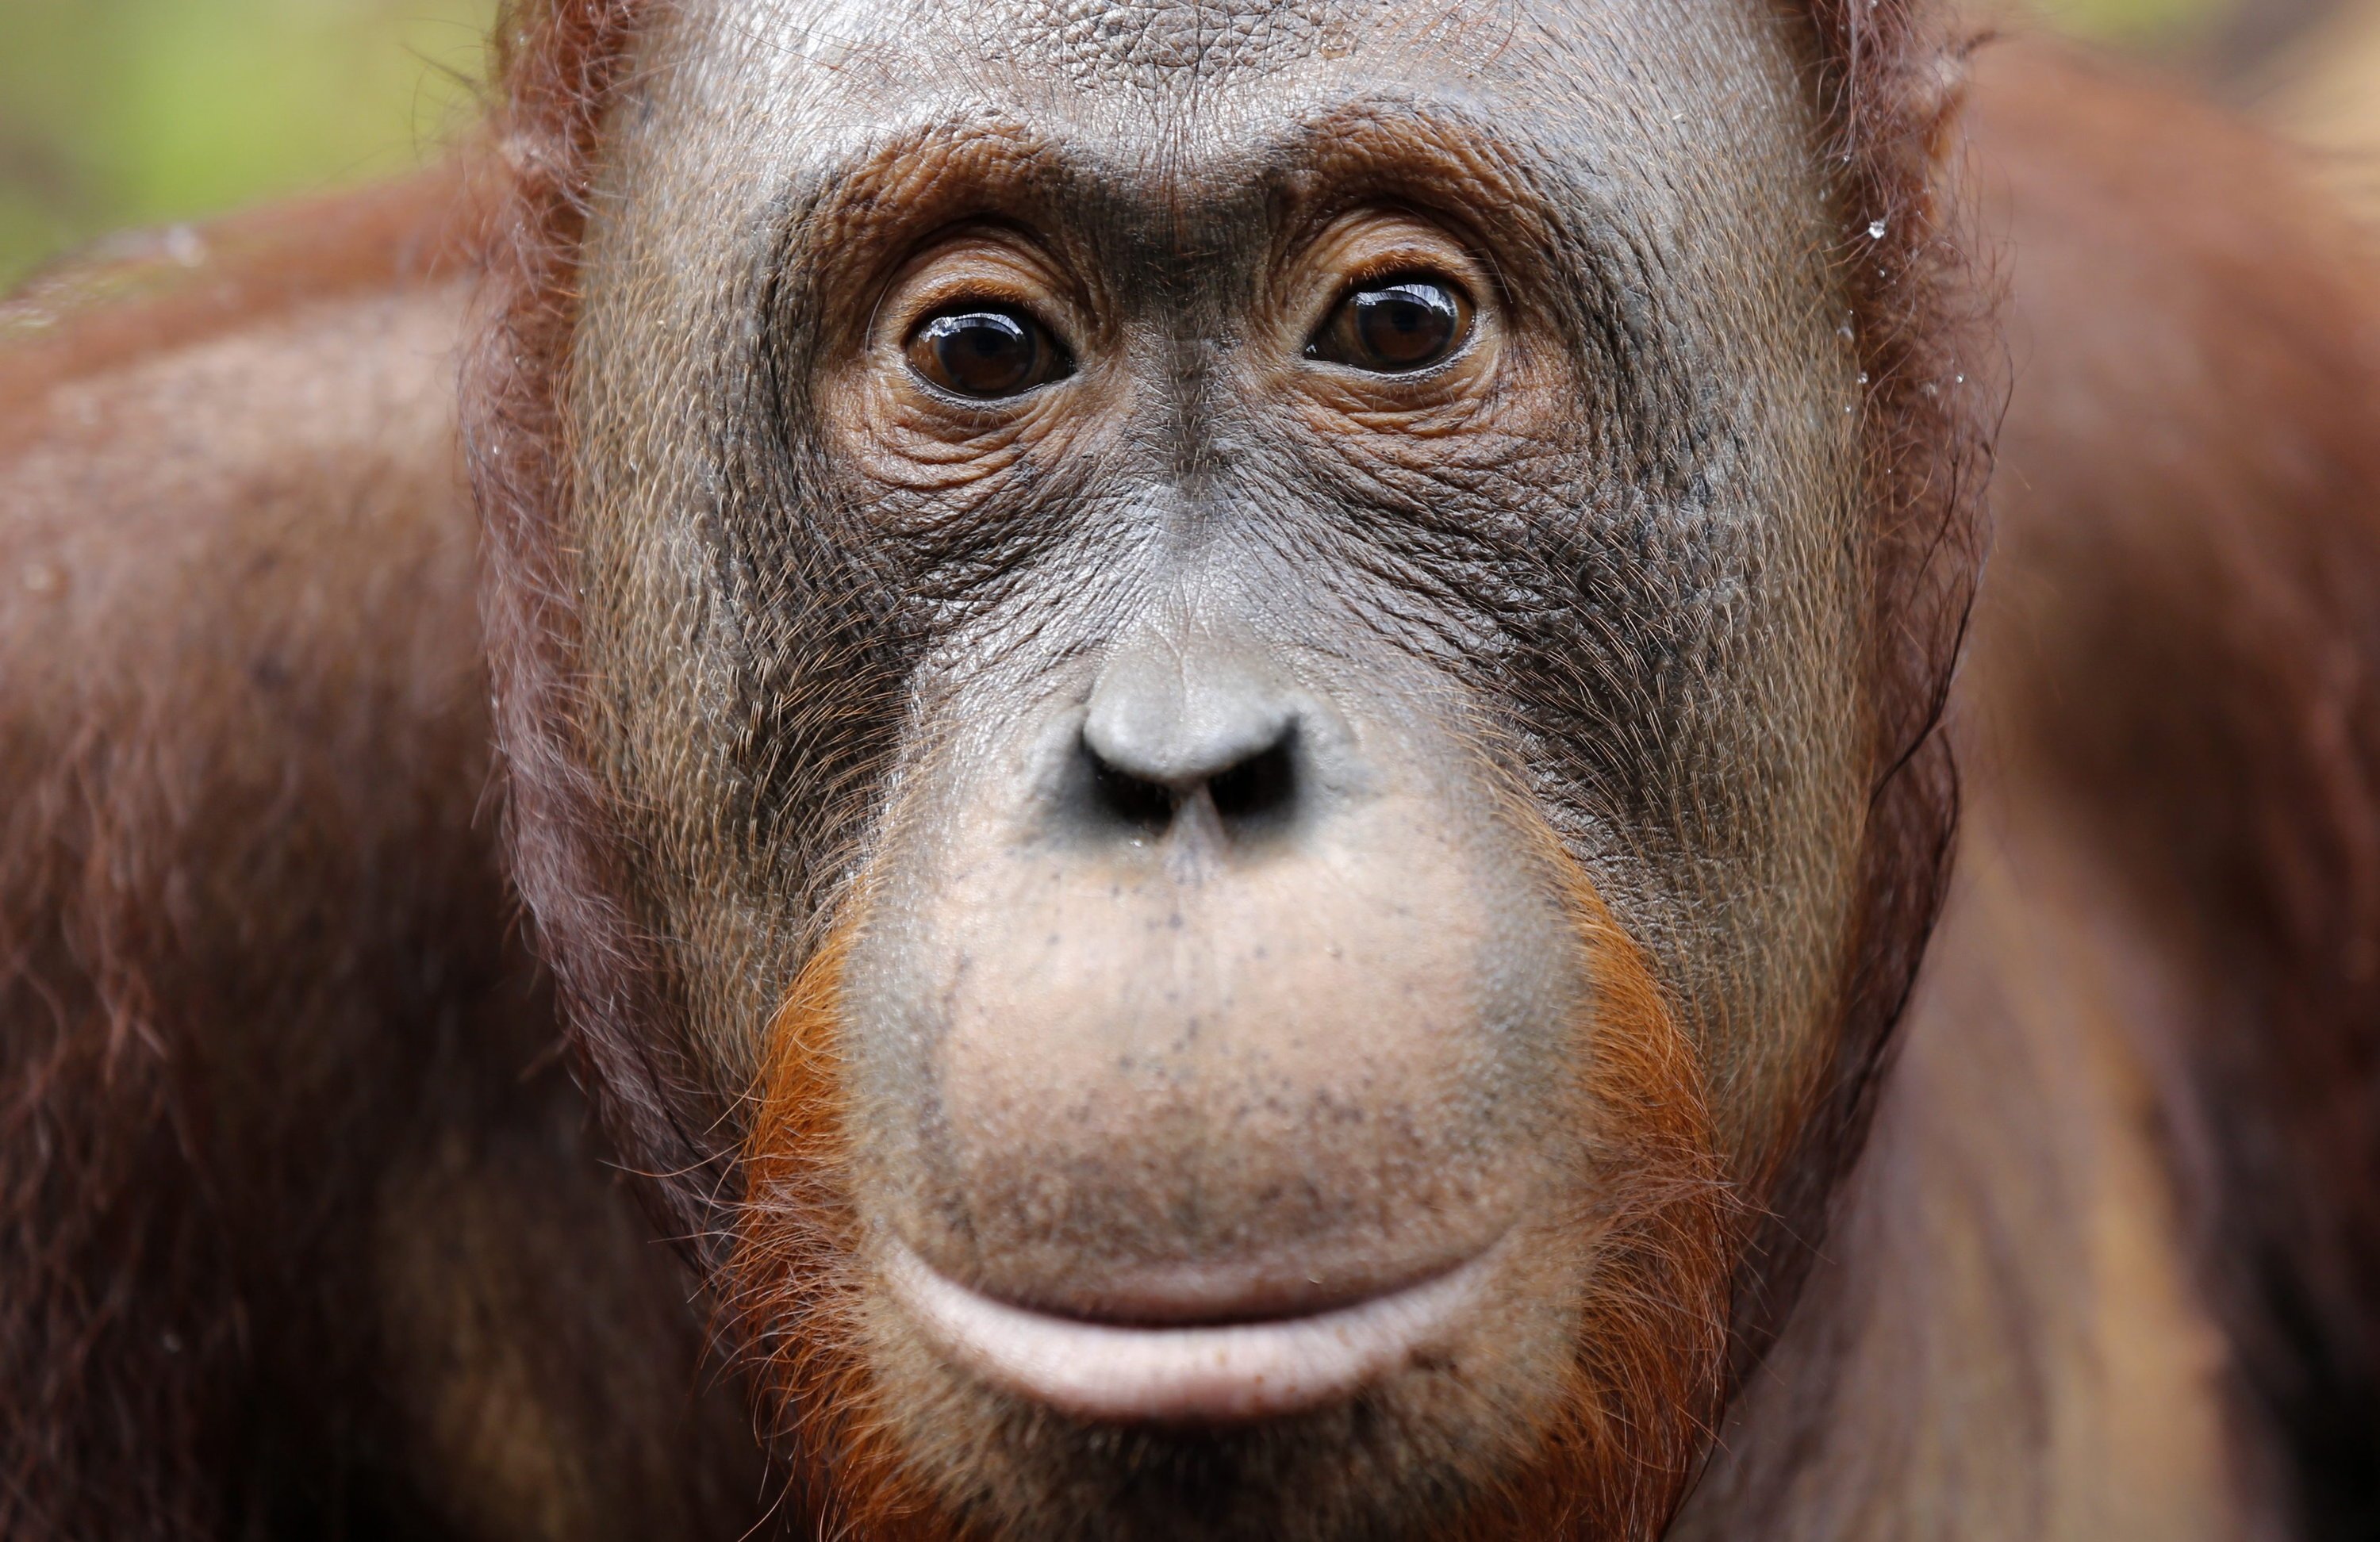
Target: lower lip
(1224, 1373)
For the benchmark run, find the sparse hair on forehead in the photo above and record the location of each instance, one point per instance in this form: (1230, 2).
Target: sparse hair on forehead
(1166, 43)
(1204, 39)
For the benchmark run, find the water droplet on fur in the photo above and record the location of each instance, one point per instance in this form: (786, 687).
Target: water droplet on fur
(1875, 230)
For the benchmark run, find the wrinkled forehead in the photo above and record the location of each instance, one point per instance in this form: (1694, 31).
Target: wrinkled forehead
(1657, 100)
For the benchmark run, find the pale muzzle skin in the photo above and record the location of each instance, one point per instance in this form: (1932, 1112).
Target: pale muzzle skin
(1214, 999)
(1204, 1130)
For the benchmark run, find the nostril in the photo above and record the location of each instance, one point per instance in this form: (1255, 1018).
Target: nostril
(1253, 793)
(1129, 799)
(1259, 787)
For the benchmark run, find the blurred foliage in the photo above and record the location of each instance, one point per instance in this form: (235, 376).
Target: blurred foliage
(2152, 24)
(131, 112)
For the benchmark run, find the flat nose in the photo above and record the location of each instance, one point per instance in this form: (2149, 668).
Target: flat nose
(1196, 725)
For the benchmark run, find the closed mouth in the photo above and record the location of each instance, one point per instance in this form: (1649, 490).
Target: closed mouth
(1194, 1373)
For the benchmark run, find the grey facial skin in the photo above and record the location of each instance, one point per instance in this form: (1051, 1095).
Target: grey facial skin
(1196, 718)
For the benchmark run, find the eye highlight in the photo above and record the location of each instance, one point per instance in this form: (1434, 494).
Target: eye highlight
(985, 352)
(1394, 326)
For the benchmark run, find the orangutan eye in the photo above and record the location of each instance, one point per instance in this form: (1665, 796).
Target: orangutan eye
(1395, 326)
(986, 353)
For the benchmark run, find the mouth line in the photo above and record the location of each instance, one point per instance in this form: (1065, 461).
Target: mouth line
(1169, 1372)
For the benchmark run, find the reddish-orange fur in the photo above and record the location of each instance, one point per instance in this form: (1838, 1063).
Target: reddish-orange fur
(1653, 1333)
(795, 1288)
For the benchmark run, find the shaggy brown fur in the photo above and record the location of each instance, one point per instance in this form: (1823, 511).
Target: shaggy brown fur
(150, 1209)
(2187, 645)
(558, 66)
(280, 1131)
(2162, 960)
(1893, 78)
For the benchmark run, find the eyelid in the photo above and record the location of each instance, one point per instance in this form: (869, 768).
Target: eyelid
(989, 267)
(1364, 250)
(959, 299)
(1383, 267)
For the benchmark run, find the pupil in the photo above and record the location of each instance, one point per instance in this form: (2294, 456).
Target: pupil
(1406, 325)
(986, 353)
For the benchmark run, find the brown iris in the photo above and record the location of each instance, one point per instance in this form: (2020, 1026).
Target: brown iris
(1394, 326)
(985, 352)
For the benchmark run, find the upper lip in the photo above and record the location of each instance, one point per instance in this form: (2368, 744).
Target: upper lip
(1228, 1368)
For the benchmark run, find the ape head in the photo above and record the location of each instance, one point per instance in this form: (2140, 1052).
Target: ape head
(1218, 713)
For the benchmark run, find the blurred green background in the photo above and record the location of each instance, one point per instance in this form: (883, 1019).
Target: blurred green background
(131, 112)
